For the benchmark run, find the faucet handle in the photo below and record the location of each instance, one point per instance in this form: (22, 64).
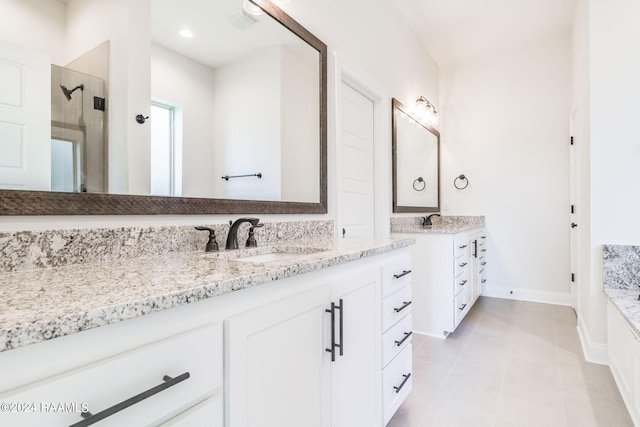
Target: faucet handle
(212, 244)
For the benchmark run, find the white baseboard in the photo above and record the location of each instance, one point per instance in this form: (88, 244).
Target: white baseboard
(531, 295)
(594, 352)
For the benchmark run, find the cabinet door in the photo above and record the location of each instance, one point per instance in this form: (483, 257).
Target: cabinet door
(354, 374)
(277, 367)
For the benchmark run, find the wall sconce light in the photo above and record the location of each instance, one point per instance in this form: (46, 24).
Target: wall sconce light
(426, 112)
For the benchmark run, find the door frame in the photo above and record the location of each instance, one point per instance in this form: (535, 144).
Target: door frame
(345, 73)
(574, 200)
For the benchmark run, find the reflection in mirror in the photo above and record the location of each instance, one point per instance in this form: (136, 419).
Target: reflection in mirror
(416, 150)
(244, 94)
(247, 91)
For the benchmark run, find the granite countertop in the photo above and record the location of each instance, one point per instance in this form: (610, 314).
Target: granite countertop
(436, 229)
(43, 304)
(626, 302)
(621, 281)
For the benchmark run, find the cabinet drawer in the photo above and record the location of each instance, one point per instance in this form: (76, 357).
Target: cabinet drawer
(460, 247)
(103, 384)
(396, 383)
(206, 413)
(395, 307)
(461, 282)
(460, 265)
(396, 339)
(396, 273)
(462, 304)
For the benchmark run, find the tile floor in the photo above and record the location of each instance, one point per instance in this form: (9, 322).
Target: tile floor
(510, 363)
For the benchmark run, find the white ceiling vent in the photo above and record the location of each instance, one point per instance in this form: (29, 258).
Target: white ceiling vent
(241, 19)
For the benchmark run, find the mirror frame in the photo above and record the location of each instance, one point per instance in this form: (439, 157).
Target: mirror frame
(24, 202)
(396, 109)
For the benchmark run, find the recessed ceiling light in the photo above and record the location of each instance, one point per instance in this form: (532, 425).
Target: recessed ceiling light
(186, 33)
(252, 8)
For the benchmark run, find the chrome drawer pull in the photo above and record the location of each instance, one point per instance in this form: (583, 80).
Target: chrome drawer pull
(462, 307)
(404, 381)
(404, 273)
(406, 304)
(406, 335)
(483, 237)
(481, 271)
(462, 247)
(483, 250)
(484, 280)
(90, 418)
(463, 264)
(464, 282)
(483, 263)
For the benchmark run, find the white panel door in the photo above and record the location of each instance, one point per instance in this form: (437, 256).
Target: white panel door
(356, 198)
(25, 118)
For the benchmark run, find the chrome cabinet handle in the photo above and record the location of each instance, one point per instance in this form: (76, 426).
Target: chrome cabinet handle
(463, 264)
(483, 250)
(483, 263)
(406, 304)
(404, 273)
(464, 282)
(404, 381)
(90, 418)
(484, 281)
(462, 307)
(406, 335)
(335, 345)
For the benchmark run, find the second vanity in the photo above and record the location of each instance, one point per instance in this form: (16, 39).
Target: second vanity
(449, 270)
(280, 336)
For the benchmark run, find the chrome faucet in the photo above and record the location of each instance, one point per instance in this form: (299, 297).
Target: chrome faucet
(426, 221)
(232, 237)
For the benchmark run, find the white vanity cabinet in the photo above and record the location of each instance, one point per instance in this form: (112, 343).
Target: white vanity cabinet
(307, 360)
(480, 261)
(396, 330)
(448, 275)
(171, 381)
(301, 351)
(624, 360)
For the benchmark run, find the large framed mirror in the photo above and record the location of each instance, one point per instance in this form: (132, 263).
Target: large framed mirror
(161, 107)
(416, 162)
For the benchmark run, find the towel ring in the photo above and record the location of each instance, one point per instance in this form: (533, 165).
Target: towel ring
(416, 184)
(461, 178)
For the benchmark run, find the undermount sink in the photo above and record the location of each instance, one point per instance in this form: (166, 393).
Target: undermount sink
(264, 254)
(269, 257)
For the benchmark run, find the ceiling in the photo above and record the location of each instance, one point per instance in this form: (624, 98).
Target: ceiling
(453, 30)
(216, 40)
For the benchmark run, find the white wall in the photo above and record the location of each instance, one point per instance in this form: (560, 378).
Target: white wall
(505, 125)
(299, 124)
(179, 80)
(243, 146)
(607, 64)
(373, 40)
(35, 24)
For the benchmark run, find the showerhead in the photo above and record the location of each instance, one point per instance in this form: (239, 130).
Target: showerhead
(67, 92)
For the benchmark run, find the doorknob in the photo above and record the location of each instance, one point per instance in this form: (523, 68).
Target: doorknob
(574, 225)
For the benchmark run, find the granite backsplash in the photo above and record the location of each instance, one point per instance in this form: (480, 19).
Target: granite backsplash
(27, 250)
(621, 267)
